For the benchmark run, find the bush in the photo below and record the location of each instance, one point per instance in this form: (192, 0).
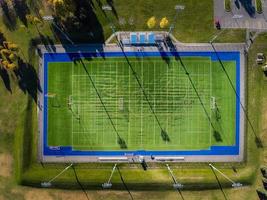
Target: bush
(227, 5)
(259, 6)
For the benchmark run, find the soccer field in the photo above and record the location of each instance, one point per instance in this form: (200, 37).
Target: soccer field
(147, 103)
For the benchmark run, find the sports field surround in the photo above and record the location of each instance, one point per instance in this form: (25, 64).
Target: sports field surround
(140, 103)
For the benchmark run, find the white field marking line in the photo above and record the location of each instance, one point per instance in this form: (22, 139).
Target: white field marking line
(129, 104)
(71, 106)
(154, 121)
(198, 124)
(116, 103)
(103, 75)
(79, 141)
(110, 89)
(96, 119)
(167, 95)
(154, 85)
(179, 67)
(142, 77)
(173, 115)
(210, 86)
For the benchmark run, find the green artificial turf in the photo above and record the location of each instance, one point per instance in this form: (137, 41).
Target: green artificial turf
(165, 113)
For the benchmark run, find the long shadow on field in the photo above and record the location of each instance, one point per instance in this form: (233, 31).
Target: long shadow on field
(120, 140)
(5, 77)
(178, 58)
(27, 135)
(28, 79)
(163, 54)
(9, 16)
(81, 27)
(21, 9)
(79, 183)
(261, 194)
(124, 183)
(257, 139)
(219, 183)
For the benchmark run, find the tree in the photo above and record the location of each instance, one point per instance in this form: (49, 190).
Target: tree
(34, 20)
(11, 66)
(12, 57)
(63, 8)
(10, 46)
(164, 22)
(151, 22)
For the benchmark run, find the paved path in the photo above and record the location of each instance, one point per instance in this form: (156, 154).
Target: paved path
(239, 17)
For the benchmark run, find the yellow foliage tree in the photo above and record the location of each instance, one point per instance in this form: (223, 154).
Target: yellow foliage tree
(11, 66)
(164, 22)
(12, 57)
(4, 63)
(63, 8)
(151, 22)
(5, 52)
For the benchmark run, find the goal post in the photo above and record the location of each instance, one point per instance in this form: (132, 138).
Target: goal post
(214, 107)
(73, 107)
(53, 98)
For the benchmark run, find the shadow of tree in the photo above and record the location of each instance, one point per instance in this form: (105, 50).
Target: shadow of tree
(5, 77)
(217, 136)
(81, 27)
(262, 195)
(9, 16)
(28, 79)
(21, 9)
(47, 41)
(35, 6)
(165, 136)
(122, 143)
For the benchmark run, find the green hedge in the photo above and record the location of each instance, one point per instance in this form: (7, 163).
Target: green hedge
(259, 6)
(227, 5)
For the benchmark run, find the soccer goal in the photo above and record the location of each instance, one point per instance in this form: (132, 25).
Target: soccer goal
(53, 100)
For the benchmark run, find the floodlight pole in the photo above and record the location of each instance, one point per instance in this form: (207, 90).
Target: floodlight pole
(49, 183)
(176, 184)
(108, 184)
(177, 8)
(234, 184)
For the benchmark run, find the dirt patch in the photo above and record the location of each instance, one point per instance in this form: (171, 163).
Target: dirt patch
(1, 197)
(36, 194)
(5, 165)
(71, 195)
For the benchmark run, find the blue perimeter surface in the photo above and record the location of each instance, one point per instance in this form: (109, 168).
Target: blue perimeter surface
(68, 57)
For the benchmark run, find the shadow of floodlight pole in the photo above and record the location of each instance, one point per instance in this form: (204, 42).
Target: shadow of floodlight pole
(177, 186)
(258, 141)
(49, 183)
(219, 183)
(124, 184)
(79, 183)
(121, 141)
(163, 132)
(195, 89)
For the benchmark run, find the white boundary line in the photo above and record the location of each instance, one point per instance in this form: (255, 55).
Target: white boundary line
(142, 66)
